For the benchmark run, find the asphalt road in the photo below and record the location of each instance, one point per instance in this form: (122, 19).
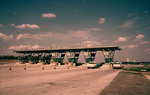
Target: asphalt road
(50, 81)
(128, 83)
(72, 81)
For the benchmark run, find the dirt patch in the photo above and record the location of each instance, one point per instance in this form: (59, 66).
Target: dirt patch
(8, 61)
(146, 73)
(52, 83)
(146, 66)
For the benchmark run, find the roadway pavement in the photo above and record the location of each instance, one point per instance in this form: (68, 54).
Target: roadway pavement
(50, 81)
(72, 81)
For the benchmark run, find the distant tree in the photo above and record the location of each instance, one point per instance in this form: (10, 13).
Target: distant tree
(8, 57)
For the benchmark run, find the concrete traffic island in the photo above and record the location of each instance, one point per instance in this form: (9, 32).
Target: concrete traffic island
(41, 63)
(19, 62)
(106, 66)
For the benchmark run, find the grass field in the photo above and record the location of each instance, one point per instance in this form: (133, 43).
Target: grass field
(138, 69)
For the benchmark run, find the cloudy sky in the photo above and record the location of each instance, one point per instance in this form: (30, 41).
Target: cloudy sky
(64, 23)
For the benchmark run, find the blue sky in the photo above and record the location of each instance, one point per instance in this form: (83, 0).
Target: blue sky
(63, 23)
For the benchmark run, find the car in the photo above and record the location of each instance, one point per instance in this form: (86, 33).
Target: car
(117, 64)
(93, 65)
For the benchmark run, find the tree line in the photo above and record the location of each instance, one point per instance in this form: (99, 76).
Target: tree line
(8, 57)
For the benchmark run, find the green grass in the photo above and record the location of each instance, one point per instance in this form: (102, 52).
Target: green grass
(138, 69)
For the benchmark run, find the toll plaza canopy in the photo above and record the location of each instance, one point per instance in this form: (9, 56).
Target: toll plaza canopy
(73, 49)
(72, 53)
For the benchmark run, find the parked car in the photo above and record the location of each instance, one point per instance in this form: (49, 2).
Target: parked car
(117, 64)
(93, 65)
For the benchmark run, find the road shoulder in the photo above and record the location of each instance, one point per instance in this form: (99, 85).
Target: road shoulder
(128, 83)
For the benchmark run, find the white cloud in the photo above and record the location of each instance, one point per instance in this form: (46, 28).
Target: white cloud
(5, 37)
(93, 29)
(23, 26)
(123, 47)
(61, 36)
(12, 24)
(140, 41)
(132, 46)
(31, 26)
(121, 39)
(127, 24)
(79, 34)
(147, 50)
(48, 15)
(31, 36)
(2, 25)
(135, 18)
(131, 15)
(54, 45)
(39, 36)
(19, 47)
(91, 43)
(36, 46)
(20, 36)
(147, 28)
(101, 20)
(105, 41)
(139, 37)
(146, 11)
(143, 42)
(24, 47)
(129, 46)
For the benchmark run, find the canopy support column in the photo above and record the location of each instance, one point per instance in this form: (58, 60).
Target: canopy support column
(58, 57)
(73, 57)
(108, 56)
(89, 56)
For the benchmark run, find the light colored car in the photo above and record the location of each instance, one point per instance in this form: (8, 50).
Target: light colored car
(117, 64)
(93, 65)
